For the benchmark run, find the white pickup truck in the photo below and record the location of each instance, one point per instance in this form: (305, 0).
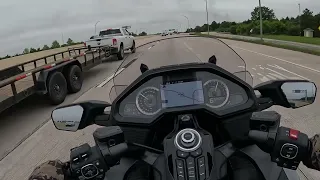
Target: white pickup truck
(119, 39)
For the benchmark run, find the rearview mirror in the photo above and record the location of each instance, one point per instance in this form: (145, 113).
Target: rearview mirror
(288, 93)
(67, 118)
(299, 94)
(80, 115)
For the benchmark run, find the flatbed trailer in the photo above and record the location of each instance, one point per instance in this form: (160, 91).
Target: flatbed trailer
(55, 75)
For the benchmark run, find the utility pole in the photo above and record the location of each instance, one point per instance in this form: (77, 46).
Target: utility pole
(300, 20)
(95, 28)
(260, 20)
(207, 16)
(62, 38)
(188, 21)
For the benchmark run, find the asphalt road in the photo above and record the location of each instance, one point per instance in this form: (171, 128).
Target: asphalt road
(265, 63)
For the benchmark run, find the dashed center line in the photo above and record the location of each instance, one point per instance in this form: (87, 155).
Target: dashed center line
(109, 78)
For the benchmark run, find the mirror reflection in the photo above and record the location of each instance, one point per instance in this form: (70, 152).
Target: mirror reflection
(67, 118)
(299, 94)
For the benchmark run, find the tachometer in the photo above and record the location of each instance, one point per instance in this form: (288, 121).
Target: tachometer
(148, 101)
(217, 93)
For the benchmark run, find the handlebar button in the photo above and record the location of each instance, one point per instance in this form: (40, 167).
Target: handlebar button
(202, 168)
(196, 153)
(191, 169)
(180, 169)
(289, 151)
(293, 134)
(182, 154)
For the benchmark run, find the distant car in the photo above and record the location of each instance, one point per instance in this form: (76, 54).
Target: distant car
(164, 33)
(171, 31)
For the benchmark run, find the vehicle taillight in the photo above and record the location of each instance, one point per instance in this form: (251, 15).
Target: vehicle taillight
(114, 42)
(85, 44)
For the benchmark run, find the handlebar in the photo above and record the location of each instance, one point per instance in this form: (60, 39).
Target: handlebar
(287, 147)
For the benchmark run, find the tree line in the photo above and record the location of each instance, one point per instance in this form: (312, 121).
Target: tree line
(55, 44)
(293, 26)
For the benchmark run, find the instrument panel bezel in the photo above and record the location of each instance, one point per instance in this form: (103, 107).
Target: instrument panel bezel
(250, 105)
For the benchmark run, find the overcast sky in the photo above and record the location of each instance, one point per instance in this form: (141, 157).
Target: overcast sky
(33, 23)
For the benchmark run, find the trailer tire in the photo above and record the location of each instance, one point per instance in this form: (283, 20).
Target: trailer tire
(74, 79)
(121, 53)
(133, 48)
(57, 88)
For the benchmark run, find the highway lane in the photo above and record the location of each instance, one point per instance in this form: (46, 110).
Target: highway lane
(18, 122)
(262, 62)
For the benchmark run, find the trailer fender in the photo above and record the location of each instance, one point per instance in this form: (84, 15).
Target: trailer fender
(41, 85)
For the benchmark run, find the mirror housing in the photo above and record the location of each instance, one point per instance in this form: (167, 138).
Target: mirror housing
(77, 116)
(288, 93)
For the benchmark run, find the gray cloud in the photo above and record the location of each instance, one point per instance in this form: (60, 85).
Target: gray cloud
(34, 23)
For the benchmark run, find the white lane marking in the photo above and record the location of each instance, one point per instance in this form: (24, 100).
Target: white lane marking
(261, 68)
(271, 77)
(278, 76)
(278, 73)
(187, 46)
(264, 79)
(190, 49)
(254, 69)
(241, 66)
(311, 69)
(259, 74)
(109, 78)
(150, 47)
(283, 69)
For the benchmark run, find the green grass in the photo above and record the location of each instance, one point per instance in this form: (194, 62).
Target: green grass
(294, 48)
(298, 39)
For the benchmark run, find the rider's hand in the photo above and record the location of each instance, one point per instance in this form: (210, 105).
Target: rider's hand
(50, 170)
(313, 161)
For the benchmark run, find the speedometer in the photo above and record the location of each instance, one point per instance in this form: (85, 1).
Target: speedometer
(217, 93)
(148, 101)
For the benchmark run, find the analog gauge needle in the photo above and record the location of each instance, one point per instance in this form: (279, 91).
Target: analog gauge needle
(216, 86)
(144, 96)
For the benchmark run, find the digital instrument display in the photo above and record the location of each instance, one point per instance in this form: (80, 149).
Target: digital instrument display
(175, 94)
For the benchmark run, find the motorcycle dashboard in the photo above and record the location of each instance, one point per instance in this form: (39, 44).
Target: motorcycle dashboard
(182, 91)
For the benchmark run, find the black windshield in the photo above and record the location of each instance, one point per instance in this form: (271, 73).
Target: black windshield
(110, 32)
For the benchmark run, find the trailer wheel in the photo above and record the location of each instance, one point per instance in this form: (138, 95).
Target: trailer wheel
(133, 48)
(57, 88)
(74, 79)
(121, 53)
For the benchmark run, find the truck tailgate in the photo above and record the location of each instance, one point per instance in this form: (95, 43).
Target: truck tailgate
(100, 42)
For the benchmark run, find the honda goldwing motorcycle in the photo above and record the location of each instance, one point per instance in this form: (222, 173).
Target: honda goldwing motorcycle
(188, 119)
